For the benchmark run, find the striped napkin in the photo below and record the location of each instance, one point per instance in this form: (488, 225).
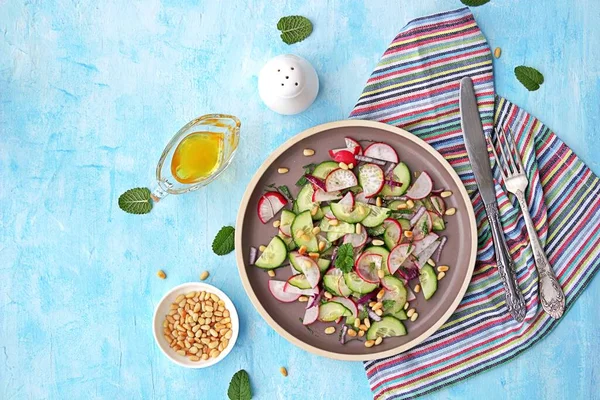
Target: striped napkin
(416, 86)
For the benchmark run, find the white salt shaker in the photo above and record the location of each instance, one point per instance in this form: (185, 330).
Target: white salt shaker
(288, 84)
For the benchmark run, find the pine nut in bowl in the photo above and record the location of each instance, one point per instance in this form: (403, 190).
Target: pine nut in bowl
(195, 325)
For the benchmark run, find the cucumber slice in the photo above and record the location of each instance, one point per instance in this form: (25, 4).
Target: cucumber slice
(331, 311)
(341, 227)
(289, 242)
(330, 283)
(438, 223)
(401, 315)
(428, 280)
(396, 292)
(402, 175)
(295, 207)
(392, 234)
(356, 284)
(387, 327)
(333, 236)
(346, 214)
(378, 230)
(376, 217)
(302, 232)
(274, 255)
(322, 170)
(293, 260)
(304, 202)
(323, 264)
(299, 281)
(287, 217)
(404, 223)
(350, 321)
(384, 256)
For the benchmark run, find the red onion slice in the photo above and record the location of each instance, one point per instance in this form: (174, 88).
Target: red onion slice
(316, 182)
(343, 334)
(253, 255)
(417, 215)
(370, 160)
(390, 182)
(372, 315)
(438, 253)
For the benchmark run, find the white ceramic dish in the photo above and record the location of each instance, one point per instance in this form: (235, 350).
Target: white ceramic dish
(162, 309)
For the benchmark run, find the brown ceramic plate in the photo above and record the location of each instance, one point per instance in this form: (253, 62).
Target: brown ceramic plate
(459, 252)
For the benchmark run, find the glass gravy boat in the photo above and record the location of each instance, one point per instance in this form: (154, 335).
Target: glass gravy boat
(196, 155)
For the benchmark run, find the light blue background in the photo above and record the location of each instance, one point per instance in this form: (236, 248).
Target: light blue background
(91, 91)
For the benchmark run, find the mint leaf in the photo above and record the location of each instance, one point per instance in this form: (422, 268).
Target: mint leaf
(345, 257)
(286, 192)
(239, 387)
(531, 78)
(294, 28)
(387, 304)
(224, 241)
(136, 201)
(474, 3)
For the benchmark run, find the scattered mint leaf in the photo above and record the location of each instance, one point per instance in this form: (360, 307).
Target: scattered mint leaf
(224, 241)
(308, 168)
(239, 387)
(474, 3)
(294, 28)
(345, 257)
(531, 78)
(136, 201)
(387, 304)
(269, 186)
(302, 181)
(286, 192)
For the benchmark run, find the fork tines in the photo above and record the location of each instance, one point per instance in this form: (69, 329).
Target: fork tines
(510, 164)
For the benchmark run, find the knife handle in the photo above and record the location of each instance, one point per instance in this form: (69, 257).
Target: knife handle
(506, 267)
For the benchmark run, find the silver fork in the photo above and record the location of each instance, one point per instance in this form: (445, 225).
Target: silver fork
(511, 168)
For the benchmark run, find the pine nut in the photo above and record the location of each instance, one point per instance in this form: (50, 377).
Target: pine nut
(321, 246)
(410, 312)
(204, 357)
(334, 222)
(181, 352)
(497, 52)
(204, 275)
(408, 234)
(262, 247)
(276, 223)
(377, 242)
(378, 202)
(179, 299)
(308, 152)
(361, 333)
(441, 276)
(356, 323)
(328, 295)
(271, 273)
(401, 206)
(450, 211)
(446, 193)
(229, 334)
(380, 294)
(443, 268)
(283, 371)
(406, 305)
(215, 353)
(367, 322)
(358, 229)
(351, 332)
(380, 273)
(161, 274)
(329, 330)
(417, 288)
(316, 230)
(314, 212)
(377, 306)
(343, 165)
(378, 340)
(431, 262)
(305, 237)
(225, 343)
(410, 203)
(282, 170)
(303, 299)
(369, 343)
(363, 327)
(213, 333)
(379, 312)
(351, 166)
(213, 345)
(314, 256)
(302, 250)
(414, 317)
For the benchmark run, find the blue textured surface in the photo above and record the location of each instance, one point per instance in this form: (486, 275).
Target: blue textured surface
(91, 91)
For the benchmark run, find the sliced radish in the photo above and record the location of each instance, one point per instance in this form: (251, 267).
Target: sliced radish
(356, 239)
(270, 204)
(289, 288)
(410, 296)
(422, 244)
(382, 151)
(317, 183)
(310, 315)
(416, 216)
(348, 303)
(439, 205)
(339, 179)
(347, 200)
(371, 179)
(393, 231)
(427, 254)
(421, 187)
(353, 146)
(342, 155)
(321, 195)
(367, 266)
(294, 270)
(422, 227)
(285, 231)
(276, 289)
(310, 269)
(397, 256)
(329, 214)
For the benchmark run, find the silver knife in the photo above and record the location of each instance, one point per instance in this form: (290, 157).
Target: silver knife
(480, 162)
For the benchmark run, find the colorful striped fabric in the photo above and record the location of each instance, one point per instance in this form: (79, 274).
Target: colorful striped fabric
(415, 86)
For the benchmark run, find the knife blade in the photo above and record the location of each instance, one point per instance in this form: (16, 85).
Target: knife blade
(480, 162)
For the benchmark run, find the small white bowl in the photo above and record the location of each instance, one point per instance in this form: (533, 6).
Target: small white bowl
(162, 309)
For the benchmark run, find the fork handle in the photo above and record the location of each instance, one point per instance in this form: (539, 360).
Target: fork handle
(506, 267)
(552, 296)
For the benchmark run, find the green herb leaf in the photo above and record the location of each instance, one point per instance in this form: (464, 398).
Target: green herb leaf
(308, 168)
(302, 181)
(239, 387)
(474, 3)
(224, 241)
(294, 28)
(286, 192)
(345, 257)
(136, 201)
(531, 78)
(387, 304)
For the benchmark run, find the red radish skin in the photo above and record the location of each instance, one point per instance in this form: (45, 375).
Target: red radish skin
(348, 199)
(276, 289)
(421, 187)
(286, 234)
(316, 182)
(270, 204)
(353, 146)
(382, 151)
(357, 239)
(363, 267)
(339, 179)
(289, 288)
(348, 303)
(438, 204)
(310, 315)
(397, 256)
(310, 269)
(342, 155)
(320, 195)
(372, 179)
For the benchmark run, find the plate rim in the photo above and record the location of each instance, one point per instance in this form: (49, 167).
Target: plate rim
(356, 123)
